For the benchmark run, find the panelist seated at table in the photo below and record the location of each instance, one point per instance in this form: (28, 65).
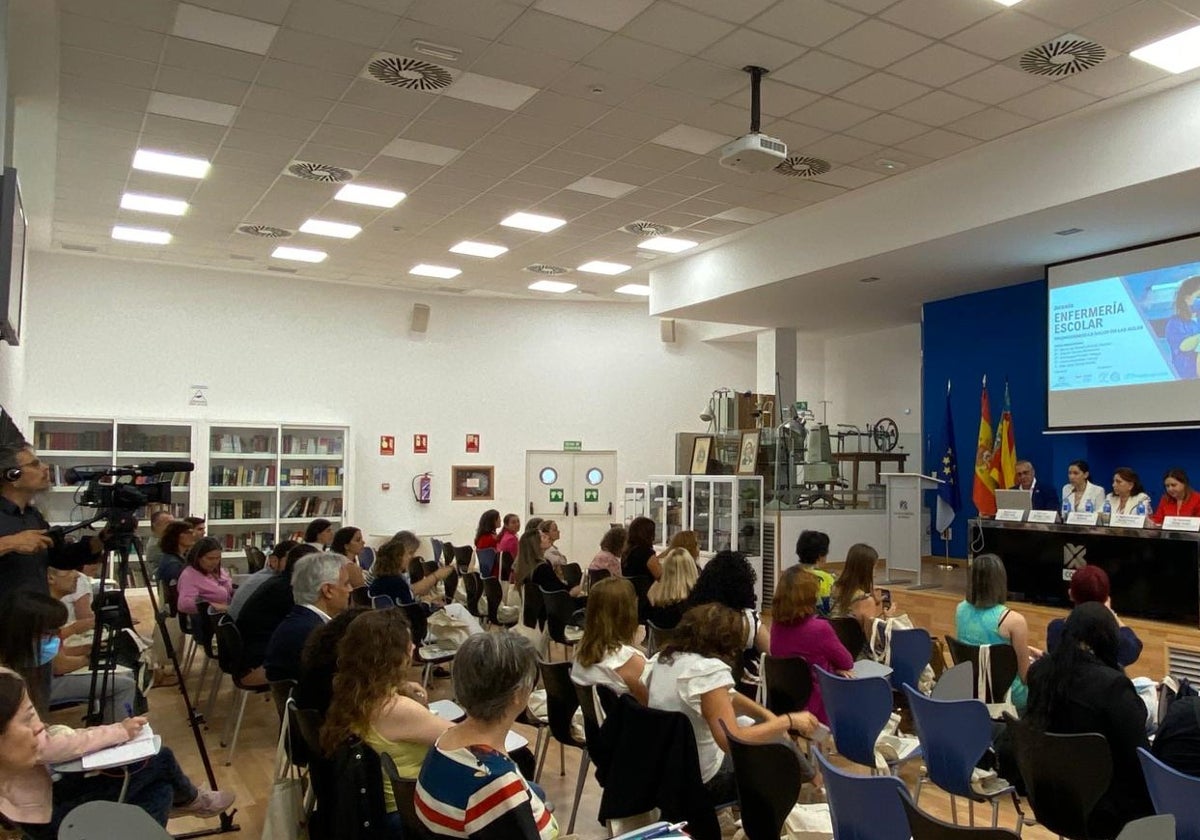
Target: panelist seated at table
(1042, 495)
(1127, 492)
(1079, 490)
(1178, 499)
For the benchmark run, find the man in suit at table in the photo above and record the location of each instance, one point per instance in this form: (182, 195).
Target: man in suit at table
(321, 590)
(1044, 497)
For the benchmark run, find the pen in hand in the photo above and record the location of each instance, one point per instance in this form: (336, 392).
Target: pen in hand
(663, 831)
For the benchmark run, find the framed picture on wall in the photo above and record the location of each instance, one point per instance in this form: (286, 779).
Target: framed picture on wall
(701, 449)
(472, 483)
(748, 453)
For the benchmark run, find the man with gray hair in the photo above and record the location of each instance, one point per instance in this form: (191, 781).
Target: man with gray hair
(321, 590)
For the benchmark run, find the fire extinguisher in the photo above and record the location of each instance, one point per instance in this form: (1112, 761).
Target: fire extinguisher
(422, 487)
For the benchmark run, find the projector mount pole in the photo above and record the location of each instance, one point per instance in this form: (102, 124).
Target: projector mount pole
(756, 74)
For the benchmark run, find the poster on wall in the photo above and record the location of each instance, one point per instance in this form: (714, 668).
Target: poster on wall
(420, 444)
(471, 482)
(472, 443)
(387, 444)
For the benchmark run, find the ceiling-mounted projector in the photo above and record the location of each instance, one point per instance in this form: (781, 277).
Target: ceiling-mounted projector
(754, 152)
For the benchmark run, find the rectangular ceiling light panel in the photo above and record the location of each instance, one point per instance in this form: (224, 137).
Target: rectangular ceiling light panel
(602, 267)
(239, 33)
(420, 152)
(667, 244)
(153, 204)
(283, 252)
(372, 196)
(340, 230)
(534, 222)
(556, 286)
(189, 108)
(633, 289)
(478, 249)
(145, 236)
(1176, 54)
(442, 272)
(169, 164)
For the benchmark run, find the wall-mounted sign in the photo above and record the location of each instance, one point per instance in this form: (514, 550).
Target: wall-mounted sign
(387, 444)
(556, 495)
(591, 494)
(472, 443)
(572, 446)
(420, 443)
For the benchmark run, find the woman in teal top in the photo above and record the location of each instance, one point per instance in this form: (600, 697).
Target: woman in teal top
(982, 619)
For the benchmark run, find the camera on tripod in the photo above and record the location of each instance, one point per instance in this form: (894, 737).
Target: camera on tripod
(118, 492)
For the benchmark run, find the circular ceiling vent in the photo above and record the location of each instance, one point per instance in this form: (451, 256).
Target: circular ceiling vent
(641, 228)
(1063, 57)
(323, 172)
(543, 268)
(802, 166)
(264, 231)
(409, 73)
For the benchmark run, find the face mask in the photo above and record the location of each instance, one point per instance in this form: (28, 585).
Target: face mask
(49, 649)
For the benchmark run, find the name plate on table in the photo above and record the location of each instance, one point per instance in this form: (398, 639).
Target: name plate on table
(1127, 520)
(1078, 517)
(1181, 523)
(1044, 517)
(1010, 515)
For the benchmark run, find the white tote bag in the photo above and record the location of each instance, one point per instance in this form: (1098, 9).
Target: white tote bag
(284, 819)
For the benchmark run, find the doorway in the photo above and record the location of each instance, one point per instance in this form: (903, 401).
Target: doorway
(578, 490)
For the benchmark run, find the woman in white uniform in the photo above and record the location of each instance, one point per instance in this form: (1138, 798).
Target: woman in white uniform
(1079, 490)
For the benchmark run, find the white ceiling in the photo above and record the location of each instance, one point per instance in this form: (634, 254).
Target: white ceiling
(637, 92)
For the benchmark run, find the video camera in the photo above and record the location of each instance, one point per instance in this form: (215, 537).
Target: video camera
(117, 492)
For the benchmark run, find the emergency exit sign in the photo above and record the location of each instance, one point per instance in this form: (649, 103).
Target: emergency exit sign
(572, 446)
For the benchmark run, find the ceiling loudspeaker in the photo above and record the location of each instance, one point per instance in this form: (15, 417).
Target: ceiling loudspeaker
(666, 330)
(420, 317)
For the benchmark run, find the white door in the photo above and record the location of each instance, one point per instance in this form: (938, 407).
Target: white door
(579, 491)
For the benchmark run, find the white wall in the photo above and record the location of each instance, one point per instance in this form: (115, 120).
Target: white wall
(874, 375)
(124, 338)
(12, 381)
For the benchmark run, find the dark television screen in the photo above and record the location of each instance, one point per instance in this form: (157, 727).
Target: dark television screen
(12, 257)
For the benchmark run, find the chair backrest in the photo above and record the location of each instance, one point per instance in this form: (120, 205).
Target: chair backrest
(911, 652)
(768, 778)
(1173, 792)
(462, 557)
(925, 827)
(506, 565)
(473, 585)
(382, 602)
(561, 700)
(358, 810)
(437, 547)
(863, 807)
(788, 683)
(92, 820)
(572, 574)
(533, 609)
(1065, 775)
(954, 735)
(450, 585)
(560, 609)
(447, 552)
(1158, 827)
(308, 724)
(366, 558)
(641, 586)
(299, 750)
(360, 597)
(205, 625)
(850, 633)
(1003, 665)
(657, 637)
(594, 576)
(956, 683)
(255, 559)
(418, 619)
(495, 595)
(487, 560)
(230, 650)
(416, 570)
(403, 790)
(858, 709)
(281, 690)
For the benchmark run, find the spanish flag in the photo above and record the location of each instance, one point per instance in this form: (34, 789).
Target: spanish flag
(984, 491)
(1004, 452)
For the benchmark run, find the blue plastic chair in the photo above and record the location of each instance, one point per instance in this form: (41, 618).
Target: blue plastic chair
(911, 652)
(954, 736)
(487, 561)
(382, 602)
(858, 709)
(366, 558)
(863, 807)
(1173, 792)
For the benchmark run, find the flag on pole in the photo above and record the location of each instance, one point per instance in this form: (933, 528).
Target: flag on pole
(983, 493)
(1004, 451)
(949, 498)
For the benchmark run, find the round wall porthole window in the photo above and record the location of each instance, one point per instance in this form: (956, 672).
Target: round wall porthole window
(548, 475)
(594, 476)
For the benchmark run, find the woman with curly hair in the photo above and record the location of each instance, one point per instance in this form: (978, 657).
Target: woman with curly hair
(373, 701)
(728, 579)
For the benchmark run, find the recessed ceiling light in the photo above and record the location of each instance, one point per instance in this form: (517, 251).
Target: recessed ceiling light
(532, 221)
(168, 164)
(667, 244)
(153, 204)
(1008, 2)
(478, 249)
(373, 196)
(1176, 54)
(634, 289)
(868, 279)
(283, 252)
(556, 286)
(441, 272)
(1068, 231)
(890, 165)
(337, 229)
(143, 235)
(602, 267)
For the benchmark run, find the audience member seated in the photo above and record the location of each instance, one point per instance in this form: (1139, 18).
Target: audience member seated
(608, 558)
(197, 525)
(1087, 585)
(693, 675)
(1127, 492)
(321, 590)
(30, 798)
(668, 595)
(1177, 741)
(159, 520)
(373, 701)
(1178, 497)
(728, 579)
(549, 529)
(605, 655)
(74, 590)
(686, 540)
(982, 619)
(637, 557)
(853, 592)
(486, 537)
(1081, 688)
(389, 575)
(509, 538)
(469, 786)
(177, 540)
(812, 550)
(349, 543)
(204, 579)
(797, 631)
(534, 566)
(275, 563)
(265, 610)
(319, 534)
(319, 661)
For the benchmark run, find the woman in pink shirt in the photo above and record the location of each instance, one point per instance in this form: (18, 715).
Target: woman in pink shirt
(509, 540)
(204, 579)
(797, 631)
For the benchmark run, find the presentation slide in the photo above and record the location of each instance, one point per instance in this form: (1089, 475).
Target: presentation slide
(1123, 338)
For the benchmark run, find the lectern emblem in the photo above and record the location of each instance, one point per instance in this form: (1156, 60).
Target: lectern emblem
(1074, 557)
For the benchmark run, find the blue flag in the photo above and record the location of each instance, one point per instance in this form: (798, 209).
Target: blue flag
(949, 498)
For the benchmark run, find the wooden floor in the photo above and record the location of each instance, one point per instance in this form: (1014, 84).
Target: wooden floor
(250, 774)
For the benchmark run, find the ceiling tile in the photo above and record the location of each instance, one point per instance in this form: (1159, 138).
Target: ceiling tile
(183, 107)
(74, 61)
(990, 124)
(907, 159)
(154, 15)
(778, 99)
(259, 142)
(597, 85)
(684, 185)
(126, 120)
(629, 124)
(659, 157)
(400, 174)
(704, 79)
(1071, 13)
(794, 134)
(665, 102)
(549, 105)
(239, 33)
(876, 43)
(537, 132)
(270, 11)
(479, 18)
(738, 12)
(343, 21)
(628, 174)
(407, 32)
(677, 28)
(485, 90)
(882, 91)
(938, 144)
(996, 84)
(795, 193)
(624, 55)
(421, 152)
(723, 118)
(938, 108)
(600, 145)
(287, 102)
(114, 39)
(849, 177)
(870, 7)
(838, 148)
(95, 93)
(314, 50)
(821, 72)
(542, 176)
(1115, 76)
(1048, 102)
(306, 80)
(517, 65)
(887, 129)
(201, 85)
(649, 201)
(807, 22)
(939, 65)
(366, 119)
(745, 215)
(939, 18)
(832, 114)
(746, 47)
(1138, 25)
(1005, 34)
(698, 141)
(207, 58)
(384, 98)
(540, 32)
(601, 187)
(610, 15)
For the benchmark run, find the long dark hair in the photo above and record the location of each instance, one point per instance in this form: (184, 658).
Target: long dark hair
(1128, 474)
(726, 579)
(1179, 475)
(203, 546)
(489, 523)
(639, 534)
(29, 617)
(1089, 636)
(342, 537)
(12, 692)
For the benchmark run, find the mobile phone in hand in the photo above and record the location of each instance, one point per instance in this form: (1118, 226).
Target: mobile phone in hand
(885, 597)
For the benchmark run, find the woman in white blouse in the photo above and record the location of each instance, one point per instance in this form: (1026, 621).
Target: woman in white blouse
(1127, 492)
(605, 654)
(1079, 490)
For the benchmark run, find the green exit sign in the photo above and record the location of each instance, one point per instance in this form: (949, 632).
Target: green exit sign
(572, 446)
(556, 495)
(802, 405)
(591, 495)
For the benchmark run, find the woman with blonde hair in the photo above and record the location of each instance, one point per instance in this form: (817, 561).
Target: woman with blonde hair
(606, 655)
(668, 594)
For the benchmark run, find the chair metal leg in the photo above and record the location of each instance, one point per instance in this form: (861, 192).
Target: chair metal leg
(541, 757)
(583, 765)
(237, 728)
(971, 811)
(537, 747)
(954, 810)
(562, 759)
(203, 676)
(917, 792)
(212, 696)
(995, 812)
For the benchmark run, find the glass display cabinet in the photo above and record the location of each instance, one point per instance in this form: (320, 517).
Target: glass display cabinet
(726, 513)
(635, 501)
(669, 508)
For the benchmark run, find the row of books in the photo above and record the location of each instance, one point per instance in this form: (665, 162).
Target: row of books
(313, 506)
(259, 539)
(93, 441)
(302, 445)
(235, 509)
(142, 442)
(242, 443)
(310, 476)
(242, 476)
